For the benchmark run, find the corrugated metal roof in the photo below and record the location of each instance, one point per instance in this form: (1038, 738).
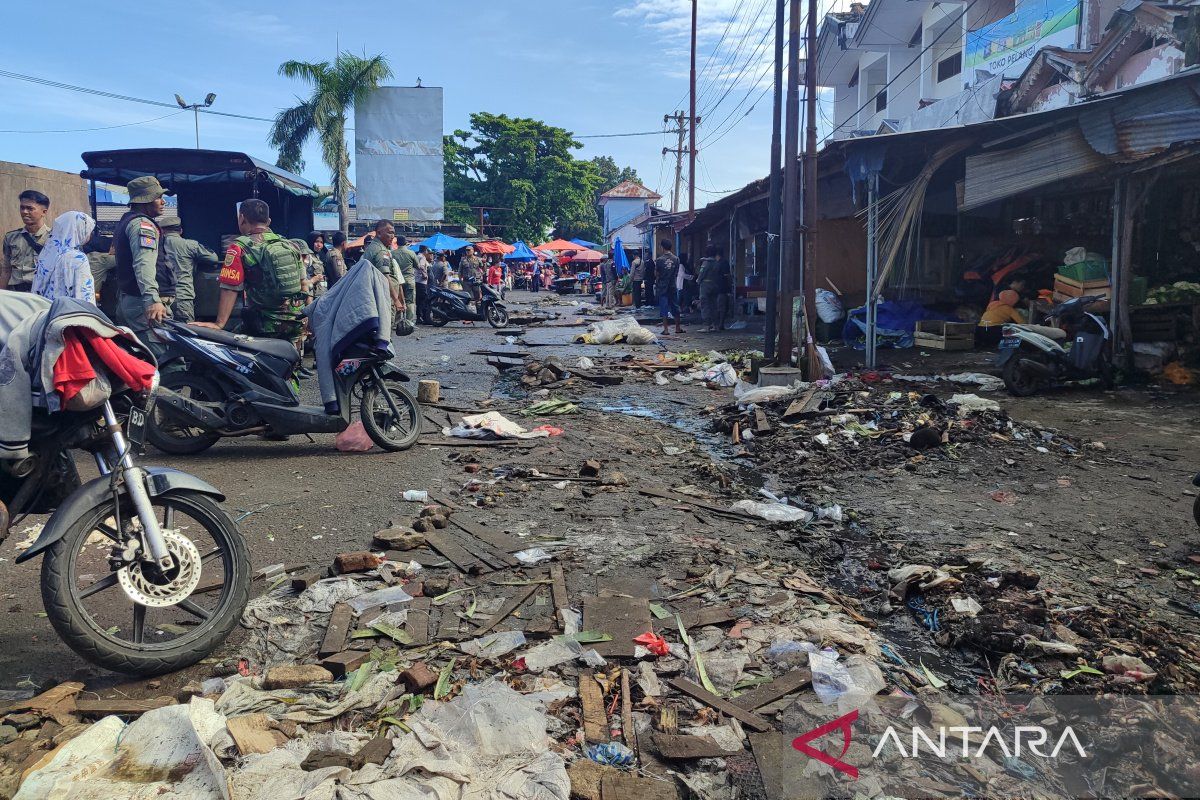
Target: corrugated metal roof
(1154, 133)
(631, 189)
(1061, 155)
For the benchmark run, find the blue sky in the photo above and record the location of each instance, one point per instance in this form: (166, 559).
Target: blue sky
(592, 67)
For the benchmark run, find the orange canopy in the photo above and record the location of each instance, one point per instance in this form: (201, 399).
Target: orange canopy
(559, 244)
(494, 247)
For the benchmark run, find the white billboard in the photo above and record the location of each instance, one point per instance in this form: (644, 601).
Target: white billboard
(398, 155)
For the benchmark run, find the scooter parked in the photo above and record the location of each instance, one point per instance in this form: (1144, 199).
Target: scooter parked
(448, 305)
(217, 384)
(1034, 357)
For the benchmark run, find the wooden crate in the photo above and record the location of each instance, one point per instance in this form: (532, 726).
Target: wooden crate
(1069, 288)
(941, 335)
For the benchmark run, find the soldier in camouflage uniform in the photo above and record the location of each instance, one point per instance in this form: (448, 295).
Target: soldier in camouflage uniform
(185, 256)
(18, 256)
(144, 277)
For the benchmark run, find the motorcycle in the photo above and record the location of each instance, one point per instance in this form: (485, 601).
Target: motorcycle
(1034, 356)
(218, 384)
(143, 571)
(448, 305)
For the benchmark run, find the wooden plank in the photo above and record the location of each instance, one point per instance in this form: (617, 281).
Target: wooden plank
(770, 692)
(121, 706)
(619, 785)
(252, 734)
(417, 624)
(339, 628)
(591, 698)
(480, 550)
(627, 729)
(684, 746)
(624, 618)
(500, 540)
(449, 627)
(449, 548)
(512, 604)
(783, 778)
(608, 585)
(653, 491)
(747, 718)
(558, 591)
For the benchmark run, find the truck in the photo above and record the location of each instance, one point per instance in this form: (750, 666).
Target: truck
(209, 185)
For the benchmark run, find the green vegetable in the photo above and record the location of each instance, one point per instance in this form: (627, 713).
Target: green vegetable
(1067, 674)
(443, 684)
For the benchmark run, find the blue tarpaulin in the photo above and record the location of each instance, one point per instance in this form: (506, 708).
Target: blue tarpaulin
(619, 260)
(897, 319)
(584, 243)
(521, 252)
(440, 241)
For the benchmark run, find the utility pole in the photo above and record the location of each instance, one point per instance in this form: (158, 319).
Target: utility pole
(791, 188)
(678, 150)
(776, 190)
(808, 276)
(692, 120)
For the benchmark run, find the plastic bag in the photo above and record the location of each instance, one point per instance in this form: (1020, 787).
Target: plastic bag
(829, 306)
(772, 512)
(722, 374)
(354, 439)
(747, 393)
(654, 643)
(625, 329)
(494, 645)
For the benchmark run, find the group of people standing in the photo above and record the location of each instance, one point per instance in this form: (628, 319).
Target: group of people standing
(666, 279)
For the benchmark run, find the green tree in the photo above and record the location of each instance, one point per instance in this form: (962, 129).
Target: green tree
(526, 170)
(611, 174)
(336, 89)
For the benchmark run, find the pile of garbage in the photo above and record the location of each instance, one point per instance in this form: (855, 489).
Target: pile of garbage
(847, 426)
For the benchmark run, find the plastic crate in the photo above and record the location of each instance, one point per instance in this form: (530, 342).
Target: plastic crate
(1085, 271)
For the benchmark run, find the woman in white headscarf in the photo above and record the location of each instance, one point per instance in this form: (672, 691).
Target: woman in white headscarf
(62, 268)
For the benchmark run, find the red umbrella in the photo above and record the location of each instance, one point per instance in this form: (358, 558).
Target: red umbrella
(588, 256)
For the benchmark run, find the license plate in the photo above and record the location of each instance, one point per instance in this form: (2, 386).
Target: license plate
(1010, 343)
(135, 430)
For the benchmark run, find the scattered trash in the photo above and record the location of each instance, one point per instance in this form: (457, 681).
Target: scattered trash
(492, 425)
(611, 331)
(613, 754)
(654, 643)
(972, 403)
(548, 408)
(416, 496)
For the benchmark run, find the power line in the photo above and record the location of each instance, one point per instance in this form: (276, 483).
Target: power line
(712, 55)
(733, 58)
(103, 127)
(146, 101)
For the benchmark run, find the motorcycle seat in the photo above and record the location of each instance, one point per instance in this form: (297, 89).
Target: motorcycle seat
(271, 347)
(1057, 334)
(460, 293)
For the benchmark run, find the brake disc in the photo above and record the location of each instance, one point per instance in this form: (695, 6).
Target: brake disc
(156, 590)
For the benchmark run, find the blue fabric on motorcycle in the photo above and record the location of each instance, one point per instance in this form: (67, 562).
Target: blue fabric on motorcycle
(357, 309)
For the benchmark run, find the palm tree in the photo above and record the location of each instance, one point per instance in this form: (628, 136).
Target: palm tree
(336, 88)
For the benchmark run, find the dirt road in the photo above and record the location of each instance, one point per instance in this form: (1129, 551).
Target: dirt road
(1109, 528)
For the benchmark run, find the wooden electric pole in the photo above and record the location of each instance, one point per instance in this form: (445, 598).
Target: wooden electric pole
(692, 120)
(808, 276)
(791, 188)
(678, 150)
(776, 189)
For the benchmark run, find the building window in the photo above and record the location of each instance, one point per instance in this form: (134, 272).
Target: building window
(949, 67)
(881, 100)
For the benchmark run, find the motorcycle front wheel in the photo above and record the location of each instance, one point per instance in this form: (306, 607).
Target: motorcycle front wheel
(497, 315)
(1020, 381)
(140, 620)
(391, 428)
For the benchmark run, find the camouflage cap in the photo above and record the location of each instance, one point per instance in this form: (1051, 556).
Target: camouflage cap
(302, 246)
(169, 221)
(145, 189)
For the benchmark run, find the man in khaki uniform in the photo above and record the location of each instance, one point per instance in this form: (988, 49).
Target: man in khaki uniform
(144, 276)
(379, 252)
(18, 256)
(406, 259)
(185, 256)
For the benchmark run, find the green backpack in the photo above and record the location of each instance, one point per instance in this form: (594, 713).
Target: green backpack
(275, 270)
